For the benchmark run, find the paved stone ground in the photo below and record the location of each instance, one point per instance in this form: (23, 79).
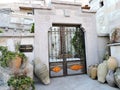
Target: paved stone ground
(78, 82)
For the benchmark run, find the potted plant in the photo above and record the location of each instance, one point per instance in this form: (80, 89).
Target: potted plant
(21, 82)
(11, 59)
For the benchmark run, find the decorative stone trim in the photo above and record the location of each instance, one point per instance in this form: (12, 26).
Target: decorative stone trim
(65, 3)
(16, 35)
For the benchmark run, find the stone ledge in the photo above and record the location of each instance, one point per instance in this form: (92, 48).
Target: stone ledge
(16, 35)
(65, 3)
(103, 35)
(114, 44)
(35, 6)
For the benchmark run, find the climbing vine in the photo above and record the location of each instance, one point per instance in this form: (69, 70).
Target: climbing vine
(78, 42)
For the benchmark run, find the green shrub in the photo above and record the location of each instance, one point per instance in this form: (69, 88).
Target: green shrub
(78, 42)
(9, 55)
(21, 82)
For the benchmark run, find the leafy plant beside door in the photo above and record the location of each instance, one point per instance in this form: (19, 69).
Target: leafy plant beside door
(78, 42)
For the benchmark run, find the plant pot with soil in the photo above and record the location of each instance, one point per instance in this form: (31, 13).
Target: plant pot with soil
(21, 82)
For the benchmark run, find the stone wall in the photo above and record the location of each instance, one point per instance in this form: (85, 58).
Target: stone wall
(107, 18)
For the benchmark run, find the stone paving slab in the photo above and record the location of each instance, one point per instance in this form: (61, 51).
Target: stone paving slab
(78, 82)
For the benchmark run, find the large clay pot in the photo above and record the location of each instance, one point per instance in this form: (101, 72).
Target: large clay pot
(102, 71)
(110, 78)
(94, 72)
(112, 63)
(117, 77)
(41, 71)
(16, 63)
(89, 70)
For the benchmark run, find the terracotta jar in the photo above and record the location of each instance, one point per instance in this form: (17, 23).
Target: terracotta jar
(89, 70)
(112, 63)
(94, 72)
(16, 63)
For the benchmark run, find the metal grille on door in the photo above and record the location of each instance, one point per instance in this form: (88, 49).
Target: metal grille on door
(66, 50)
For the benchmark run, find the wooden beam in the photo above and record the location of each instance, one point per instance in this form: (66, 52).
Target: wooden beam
(25, 8)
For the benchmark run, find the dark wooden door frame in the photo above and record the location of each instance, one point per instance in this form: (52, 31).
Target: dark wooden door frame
(63, 46)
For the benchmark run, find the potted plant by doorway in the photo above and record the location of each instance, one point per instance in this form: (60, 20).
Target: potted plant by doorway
(21, 82)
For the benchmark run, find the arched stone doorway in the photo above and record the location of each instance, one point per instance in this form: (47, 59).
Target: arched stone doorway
(69, 14)
(66, 50)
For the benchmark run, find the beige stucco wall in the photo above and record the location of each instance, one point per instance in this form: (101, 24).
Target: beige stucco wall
(9, 40)
(107, 17)
(44, 20)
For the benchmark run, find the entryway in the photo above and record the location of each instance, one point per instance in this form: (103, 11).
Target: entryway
(66, 50)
